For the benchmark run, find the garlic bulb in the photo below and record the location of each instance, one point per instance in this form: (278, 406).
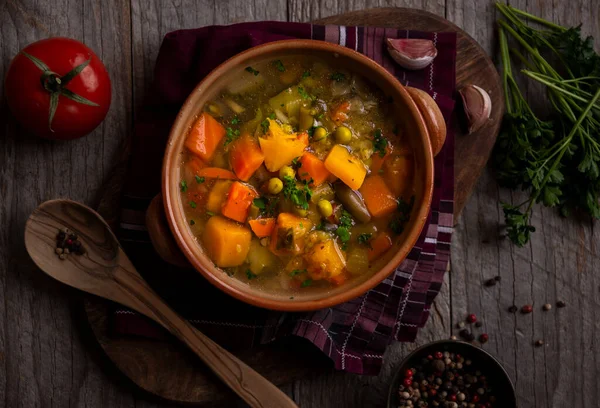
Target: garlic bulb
(477, 106)
(412, 53)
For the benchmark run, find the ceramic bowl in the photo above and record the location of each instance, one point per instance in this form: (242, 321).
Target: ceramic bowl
(498, 378)
(414, 127)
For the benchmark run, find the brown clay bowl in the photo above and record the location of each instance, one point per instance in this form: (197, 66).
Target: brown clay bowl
(415, 127)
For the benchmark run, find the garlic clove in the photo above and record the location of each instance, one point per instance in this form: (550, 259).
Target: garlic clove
(412, 53)
(477, 106)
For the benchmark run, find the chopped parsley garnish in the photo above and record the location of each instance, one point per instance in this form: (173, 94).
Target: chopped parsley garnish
(343, 229)
(210, 213)
(260, 202)
(192, 222)
(250, 275)
(311, 131)
(199, 179)
(402, 216)
(231, 135)
(320, 116)
(296, 162)
(297, 272)
(338, 77)
(379, 143)
(303, 93)
(299, 196)
(193, 204)
(364, 239)
(279, 66)
(272, 116)
(306, 283)
(321, 226)
(265, 126)
(252, 71)
(235, 120)
(183, 186)
(305, 74)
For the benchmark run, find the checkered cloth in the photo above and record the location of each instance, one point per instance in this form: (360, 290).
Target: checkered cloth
(354, 334)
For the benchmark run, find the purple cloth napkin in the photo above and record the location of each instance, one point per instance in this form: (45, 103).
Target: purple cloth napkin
(354, 334)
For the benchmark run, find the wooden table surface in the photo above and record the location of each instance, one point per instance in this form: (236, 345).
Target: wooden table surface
(47, 358)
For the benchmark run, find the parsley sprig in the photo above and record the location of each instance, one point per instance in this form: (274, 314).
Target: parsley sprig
(343, 229)
(298, 196)
(380, 143)
(556, 161)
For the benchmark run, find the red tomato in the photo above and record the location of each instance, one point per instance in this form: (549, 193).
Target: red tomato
(30, 89)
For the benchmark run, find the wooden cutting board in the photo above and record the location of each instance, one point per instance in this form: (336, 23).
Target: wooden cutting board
(167, 369)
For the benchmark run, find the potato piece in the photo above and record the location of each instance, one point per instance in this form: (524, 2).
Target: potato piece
(260, 258)
(226, 242)
(358, 260)
(217, 196)
(325, 260)
(291, 100)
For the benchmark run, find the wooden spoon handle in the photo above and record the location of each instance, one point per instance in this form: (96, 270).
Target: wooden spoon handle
(253, 388)
(161, 236)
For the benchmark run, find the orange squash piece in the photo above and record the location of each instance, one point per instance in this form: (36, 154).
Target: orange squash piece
(398, 171)
(340, 279)
(245, 157)
(239, 199)
(288, 235)
(312, 168)
(204, 137)
(325, 260)
(226, 242)
(379, 199)
(347, 167)
(379, 246)
(217, 196)
(262, 227)
(216, 172)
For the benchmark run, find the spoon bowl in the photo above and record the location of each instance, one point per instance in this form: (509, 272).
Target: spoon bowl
(105, 270)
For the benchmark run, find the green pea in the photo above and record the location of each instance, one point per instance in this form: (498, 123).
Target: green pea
(320, 134)
(286, 171)
(343, 135)
(325, 208)
(275, 185)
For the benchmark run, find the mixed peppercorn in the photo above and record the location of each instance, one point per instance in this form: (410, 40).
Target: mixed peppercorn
(445, 379)
(68, 243)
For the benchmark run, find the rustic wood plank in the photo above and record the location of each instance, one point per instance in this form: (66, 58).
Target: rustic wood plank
(41, 358)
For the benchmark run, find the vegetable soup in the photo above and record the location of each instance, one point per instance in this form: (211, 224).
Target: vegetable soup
(296, 176)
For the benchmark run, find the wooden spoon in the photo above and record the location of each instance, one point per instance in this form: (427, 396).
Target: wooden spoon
(104, 270)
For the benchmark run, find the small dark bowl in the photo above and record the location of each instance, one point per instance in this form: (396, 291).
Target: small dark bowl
(504, 390)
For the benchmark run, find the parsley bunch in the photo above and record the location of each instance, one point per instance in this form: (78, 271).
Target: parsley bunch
(298, 196)
(556, 161)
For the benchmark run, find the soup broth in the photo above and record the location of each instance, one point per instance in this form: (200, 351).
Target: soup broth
(297, 176)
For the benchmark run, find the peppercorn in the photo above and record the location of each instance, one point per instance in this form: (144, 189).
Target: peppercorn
(408, 373)
(471, 318)
(539, 343)
(453, 337)
(483, 338)
(513, 309)
(438, 365)
(547, 307)
(58, 251)
(527, 309)
(478, 324)
(439, 355)
(62, 257)
(407, 382)
(560, 304)
(490, 282)
(60, 236)
(460, 325)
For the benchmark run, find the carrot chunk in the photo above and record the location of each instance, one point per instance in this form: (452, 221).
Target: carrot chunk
(246, 157)
(377, 160)
(205, 136)
(238, 201)
(340, 114)
(312, 168)
(379, 199)
(216, 172)
(262, 227)
(194, 164)
(379, 246)
(398, 171)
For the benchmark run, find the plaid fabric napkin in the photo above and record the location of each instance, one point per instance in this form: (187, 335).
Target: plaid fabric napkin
(355, 334)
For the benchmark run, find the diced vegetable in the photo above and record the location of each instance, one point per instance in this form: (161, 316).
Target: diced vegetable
(289, 100)
(398, 172)
(379, 246)
(358, 260)
(226, 242)
(194, 165)
(379, 199)
(245, 157)
(340, 279)
(239, 199)
(377, 161)
(311, 168)
(236, 107)
(245, 82)
(260, 258)
(280, 148)
(322, 192)
(289, 233)
(216, 172)
(325, 260)
(217, 196)
(262, 227)
(353, 202)
(306, 120)
(346, 167)
(204, 137)
(340, 114)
